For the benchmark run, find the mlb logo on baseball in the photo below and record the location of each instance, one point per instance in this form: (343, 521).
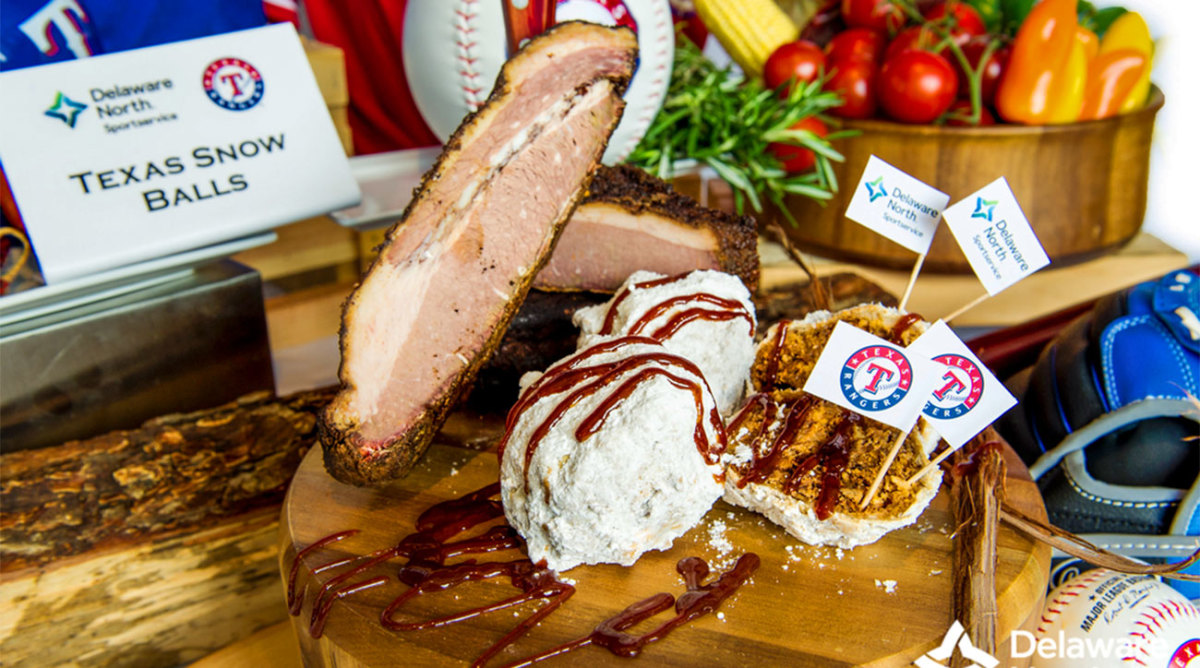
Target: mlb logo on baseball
(876, 377)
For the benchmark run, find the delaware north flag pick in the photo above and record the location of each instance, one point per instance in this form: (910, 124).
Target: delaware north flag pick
(873, 377)
(967, 397)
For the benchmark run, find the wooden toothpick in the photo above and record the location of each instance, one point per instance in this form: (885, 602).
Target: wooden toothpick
(912, 280)
(967, 307)
(930, 466)
(887, 464)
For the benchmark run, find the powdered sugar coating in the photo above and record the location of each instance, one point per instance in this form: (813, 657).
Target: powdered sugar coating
(635, 485)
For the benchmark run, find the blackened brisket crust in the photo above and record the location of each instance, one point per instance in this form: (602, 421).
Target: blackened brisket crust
(350, 456)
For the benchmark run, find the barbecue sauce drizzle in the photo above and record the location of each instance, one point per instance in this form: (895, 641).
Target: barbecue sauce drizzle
(907, 320)
(428, 549)
(610, 317)
(697, 601)
(590, 380)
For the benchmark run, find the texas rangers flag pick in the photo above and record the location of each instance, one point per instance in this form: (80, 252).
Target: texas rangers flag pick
(873, 377)
(967, 398)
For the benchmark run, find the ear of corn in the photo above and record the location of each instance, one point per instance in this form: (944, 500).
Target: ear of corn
(750, 30)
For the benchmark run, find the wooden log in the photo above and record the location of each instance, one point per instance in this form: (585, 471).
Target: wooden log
(162, 601)
(173, 472)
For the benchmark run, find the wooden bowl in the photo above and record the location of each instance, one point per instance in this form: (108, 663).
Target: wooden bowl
(1082, 185)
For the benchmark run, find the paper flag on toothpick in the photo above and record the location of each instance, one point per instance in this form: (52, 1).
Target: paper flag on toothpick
(967, 397)
(876, 378)
(896, 205)
(995, 236)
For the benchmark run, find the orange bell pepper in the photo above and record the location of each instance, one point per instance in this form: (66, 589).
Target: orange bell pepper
(1047, 68)
(1111, 79)
(1091, 43)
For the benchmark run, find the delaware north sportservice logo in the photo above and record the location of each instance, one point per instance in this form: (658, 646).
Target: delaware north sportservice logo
(960, 391)
(984, 208)
(876, 378)
(65, 109)
(233, 84)
(876, 189)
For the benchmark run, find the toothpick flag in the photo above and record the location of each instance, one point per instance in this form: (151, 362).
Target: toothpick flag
(967, 397)
(896, 205)
(995, 236)
(868, 375)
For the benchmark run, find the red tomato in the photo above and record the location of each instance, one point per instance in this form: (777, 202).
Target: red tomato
(855, 45)
(795, 158)
(879, 15)
(916, 37)
(801, 61)
(963, 108)
(916, 86)
(855, 82)
(992, 72)
(964, 22)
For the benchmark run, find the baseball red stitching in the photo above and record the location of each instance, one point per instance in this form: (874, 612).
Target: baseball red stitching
(464, 46)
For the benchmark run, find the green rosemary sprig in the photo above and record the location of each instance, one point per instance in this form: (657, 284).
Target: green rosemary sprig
(715, 117)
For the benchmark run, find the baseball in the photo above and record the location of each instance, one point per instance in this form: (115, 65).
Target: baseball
(1105, 618)
(453, 50)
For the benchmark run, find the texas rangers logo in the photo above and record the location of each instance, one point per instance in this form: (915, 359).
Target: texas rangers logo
(876, 378)
(959, 391)
(233, 83)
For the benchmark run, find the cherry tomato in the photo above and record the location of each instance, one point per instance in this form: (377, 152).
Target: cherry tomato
(795, 158)
(916, 37)
(961, 109)
(855, 83)
(801, 61)
(916, 86)
(964, 22)
(856, 44)
(992, 72)
(879, 15)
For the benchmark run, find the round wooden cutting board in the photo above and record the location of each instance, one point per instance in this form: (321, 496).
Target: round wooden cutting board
(880, 604)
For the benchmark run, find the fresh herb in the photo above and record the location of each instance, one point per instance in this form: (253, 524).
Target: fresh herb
(719, 119)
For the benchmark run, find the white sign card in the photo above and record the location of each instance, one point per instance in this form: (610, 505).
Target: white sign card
(129, 156)
(896, 205)
(967, 397)
(868, 375)
(995, 236)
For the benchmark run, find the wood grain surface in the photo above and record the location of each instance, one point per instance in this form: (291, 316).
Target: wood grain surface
(882, 604)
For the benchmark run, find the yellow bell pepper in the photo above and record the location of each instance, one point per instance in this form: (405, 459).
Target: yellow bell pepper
(1130, 31)
(1072, 82)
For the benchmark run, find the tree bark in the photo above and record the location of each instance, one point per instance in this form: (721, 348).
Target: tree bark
(172, 473)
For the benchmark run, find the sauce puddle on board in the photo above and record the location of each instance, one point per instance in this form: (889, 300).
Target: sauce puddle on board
(429, 548)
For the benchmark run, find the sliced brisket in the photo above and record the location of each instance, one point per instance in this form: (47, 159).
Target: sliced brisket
(454, 270)
(630, 220)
